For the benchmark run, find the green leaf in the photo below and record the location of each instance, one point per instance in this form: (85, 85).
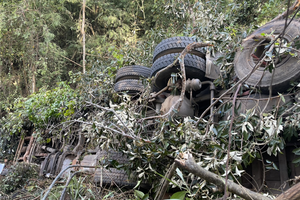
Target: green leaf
(139, 194)
(179, 195)
(296, 151)
(30, 188)
(108, 195)
(179, 173)
(282, 97)
(137, 185)
(145, 197)
(296, 161)
(275, 167)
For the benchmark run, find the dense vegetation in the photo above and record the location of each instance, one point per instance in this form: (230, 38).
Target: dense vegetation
(43, 90)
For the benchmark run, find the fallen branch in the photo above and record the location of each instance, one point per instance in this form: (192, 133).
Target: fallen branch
(188, 163)
(187, 49)
(291, 194)
(288, 12)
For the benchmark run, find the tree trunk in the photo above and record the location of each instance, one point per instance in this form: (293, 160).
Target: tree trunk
(188, 163)
(33, 79)
(83, 35)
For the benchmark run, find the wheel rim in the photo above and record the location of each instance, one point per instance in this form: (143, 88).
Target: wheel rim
(281, 56)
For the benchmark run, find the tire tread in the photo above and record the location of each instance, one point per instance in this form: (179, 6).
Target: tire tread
(132, 72)
(176, 45)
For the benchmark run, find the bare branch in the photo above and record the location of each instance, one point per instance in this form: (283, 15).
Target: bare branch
(71, 61)
(229, 138)
(59, 175)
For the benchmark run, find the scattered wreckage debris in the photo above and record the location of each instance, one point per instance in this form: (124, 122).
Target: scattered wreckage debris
(55, 161)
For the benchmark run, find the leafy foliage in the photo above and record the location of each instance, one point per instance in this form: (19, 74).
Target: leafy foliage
(29, 57)
(19, 174)
(40, 112)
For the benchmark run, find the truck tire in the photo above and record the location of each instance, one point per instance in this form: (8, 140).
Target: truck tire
(131, 86)
(112, 176)
(176, 45)
(132, 72)
(287, 68)
(194, 66)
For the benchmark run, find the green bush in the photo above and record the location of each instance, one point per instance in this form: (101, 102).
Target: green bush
(18, 176)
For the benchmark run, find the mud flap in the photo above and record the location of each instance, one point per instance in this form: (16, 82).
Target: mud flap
(212, 70)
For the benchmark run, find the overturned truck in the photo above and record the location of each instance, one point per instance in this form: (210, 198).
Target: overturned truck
(266, 65)
(182, 84)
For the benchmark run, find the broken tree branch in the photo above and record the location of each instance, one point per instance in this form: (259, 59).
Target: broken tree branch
(187, 49)
(288, 12)
(291, 194)
(188, 163)
(62, 197)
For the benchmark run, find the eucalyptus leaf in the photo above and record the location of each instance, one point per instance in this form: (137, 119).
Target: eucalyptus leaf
(179, 195)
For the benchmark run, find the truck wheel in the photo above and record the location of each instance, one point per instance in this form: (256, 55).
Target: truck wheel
(132, 72)
(176, 45)
(112, 175)
(194, 66)
(131, 86)
(287, 68)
